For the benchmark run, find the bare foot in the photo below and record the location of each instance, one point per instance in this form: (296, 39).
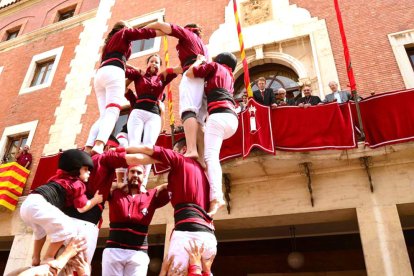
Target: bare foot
(192, 155)
(97, 149)
(214, 206)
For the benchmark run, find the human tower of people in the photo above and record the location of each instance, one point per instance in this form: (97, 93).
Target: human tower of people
(68, 208)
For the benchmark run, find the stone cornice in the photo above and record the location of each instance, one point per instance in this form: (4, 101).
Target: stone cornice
(14, 7)
(47, 30)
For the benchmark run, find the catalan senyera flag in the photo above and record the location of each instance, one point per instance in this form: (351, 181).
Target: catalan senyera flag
(12, 180)
(242, 52)
(169, 92)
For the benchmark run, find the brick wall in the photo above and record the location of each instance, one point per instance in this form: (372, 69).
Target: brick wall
(40, 104)
(40, 14)
(367, 24)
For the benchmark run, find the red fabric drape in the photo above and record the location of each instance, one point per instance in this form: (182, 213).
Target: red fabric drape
(388, 118)
(46, 169)
(233, 147)
(328, 126)
(262, 137)
(349, 69)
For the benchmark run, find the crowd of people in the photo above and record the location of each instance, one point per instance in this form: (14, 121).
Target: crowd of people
(267, 97)
(68, 208)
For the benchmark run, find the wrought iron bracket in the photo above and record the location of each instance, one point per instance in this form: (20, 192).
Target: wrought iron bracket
(227, 191)
(366, 162)
(306, 166)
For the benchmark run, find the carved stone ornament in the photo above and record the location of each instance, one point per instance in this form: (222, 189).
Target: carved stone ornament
(256, 11)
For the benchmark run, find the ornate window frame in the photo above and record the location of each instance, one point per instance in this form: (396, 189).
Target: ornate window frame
(399, 41)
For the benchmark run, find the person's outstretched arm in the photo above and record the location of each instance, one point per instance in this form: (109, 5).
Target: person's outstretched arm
(160, 26)
(140, 155)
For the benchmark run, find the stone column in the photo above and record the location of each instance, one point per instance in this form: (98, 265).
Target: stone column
(383, 241)
(20, 252)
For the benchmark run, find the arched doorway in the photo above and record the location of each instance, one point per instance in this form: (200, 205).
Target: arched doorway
(277, 76)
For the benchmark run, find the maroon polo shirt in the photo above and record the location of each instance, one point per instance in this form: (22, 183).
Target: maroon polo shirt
(121, 40)
(149, 83)
(24, 158)
(74, 187)
(216, 76)
(130, 96)
(187, 180)
(189, 45)
(103, 172)
(138, 209)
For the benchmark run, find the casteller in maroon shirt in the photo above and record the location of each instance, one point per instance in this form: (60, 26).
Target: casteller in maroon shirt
(74, 187)
(121, 41)
(149, 88)
(187, 180)
(189, 45)
(219, 86)
(101, 178)
(190, 191)
(130, 216)
(216, 75)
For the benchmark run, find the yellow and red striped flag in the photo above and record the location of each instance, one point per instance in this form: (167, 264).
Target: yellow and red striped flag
(169, 93)
(242, 52)
(12, 180)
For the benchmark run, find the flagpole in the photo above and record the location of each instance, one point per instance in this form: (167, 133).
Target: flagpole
(242, 52)
(169, 92)
(349, 69)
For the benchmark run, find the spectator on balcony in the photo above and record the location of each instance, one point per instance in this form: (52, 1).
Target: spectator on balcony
(243, 103)
(337, 95)
(264, 95)
(308, 99)
(281, 98)
(24, 157)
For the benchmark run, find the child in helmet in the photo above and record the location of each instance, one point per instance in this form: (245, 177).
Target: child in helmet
(42, 208)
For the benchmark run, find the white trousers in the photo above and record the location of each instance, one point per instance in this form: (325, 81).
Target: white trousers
(109, 84)
(143, 128)
(46, 219)
(118, 261)
(192, 97)
(122, 138)
(181, 240)
(220, 126)
(90, 231)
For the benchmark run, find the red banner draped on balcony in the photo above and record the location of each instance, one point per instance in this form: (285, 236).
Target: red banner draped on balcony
(260, 135)
(328, 126)
(45, 170)
(388, 118)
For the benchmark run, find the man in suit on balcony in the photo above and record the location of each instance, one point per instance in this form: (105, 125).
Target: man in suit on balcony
(337, 95)
(264, 96)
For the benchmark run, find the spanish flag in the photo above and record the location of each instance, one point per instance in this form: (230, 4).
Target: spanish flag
(12, 180)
